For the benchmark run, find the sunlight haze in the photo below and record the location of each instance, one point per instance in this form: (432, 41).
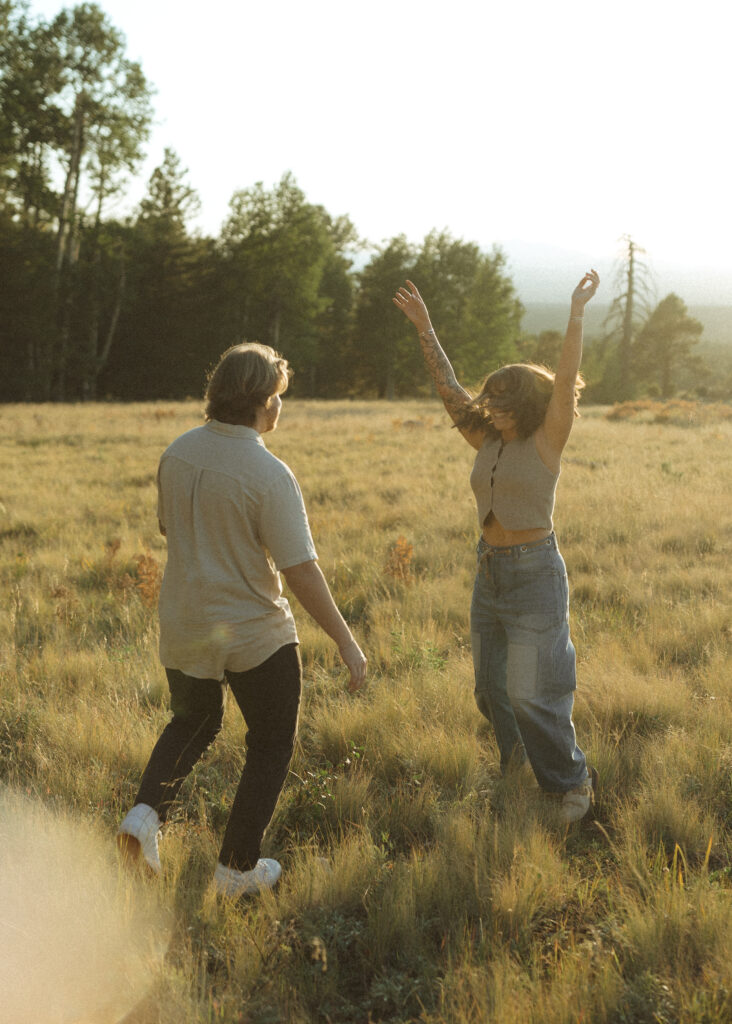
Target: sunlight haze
(563, 125)
(78, 942)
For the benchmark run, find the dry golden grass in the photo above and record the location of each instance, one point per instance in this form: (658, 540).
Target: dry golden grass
(418, 885)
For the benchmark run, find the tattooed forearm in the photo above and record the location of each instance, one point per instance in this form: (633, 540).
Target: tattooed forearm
(456, 399)
(454, 396)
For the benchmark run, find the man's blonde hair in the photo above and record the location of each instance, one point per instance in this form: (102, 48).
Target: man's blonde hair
(244, 379)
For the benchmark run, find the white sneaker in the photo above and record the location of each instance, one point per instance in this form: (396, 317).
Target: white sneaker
(577, 802)
(230, 882)
(138, 834)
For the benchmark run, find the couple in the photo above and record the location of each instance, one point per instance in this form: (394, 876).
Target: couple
(234, 518)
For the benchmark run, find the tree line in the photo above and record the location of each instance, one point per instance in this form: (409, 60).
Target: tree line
(133, 308)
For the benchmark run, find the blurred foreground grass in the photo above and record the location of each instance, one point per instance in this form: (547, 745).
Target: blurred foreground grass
(418, 885)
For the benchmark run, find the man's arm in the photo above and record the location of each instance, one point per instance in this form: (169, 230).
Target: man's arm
(307, 583)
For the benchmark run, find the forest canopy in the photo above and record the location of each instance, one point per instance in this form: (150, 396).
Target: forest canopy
(134, 308)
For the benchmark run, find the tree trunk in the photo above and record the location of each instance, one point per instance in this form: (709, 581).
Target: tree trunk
(103, 356)
(626, 340)
(389, 384)
(276, 328)
(95, 357)
(67, 253)
(67, 215)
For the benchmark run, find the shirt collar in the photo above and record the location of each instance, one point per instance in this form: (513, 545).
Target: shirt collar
(235, 430)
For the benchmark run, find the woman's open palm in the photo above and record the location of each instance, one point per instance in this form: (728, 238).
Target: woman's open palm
(412, 305)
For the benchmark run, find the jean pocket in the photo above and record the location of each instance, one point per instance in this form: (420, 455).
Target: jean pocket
(522, 671)
(535, 601)
(564, 665)
(543, 671)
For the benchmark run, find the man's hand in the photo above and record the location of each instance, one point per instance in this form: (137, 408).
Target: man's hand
(355, 661)
(307, 583)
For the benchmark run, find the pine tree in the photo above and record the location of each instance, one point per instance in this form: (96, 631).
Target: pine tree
(664, 347)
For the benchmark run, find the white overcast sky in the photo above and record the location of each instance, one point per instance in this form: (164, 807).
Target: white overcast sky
(552, 123)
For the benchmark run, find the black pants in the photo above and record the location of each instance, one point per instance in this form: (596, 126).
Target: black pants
(269, 698)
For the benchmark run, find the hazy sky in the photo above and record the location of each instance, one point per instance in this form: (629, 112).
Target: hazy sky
(565, 123)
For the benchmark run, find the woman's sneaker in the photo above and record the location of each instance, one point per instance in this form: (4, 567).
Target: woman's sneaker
(230, 882)
(577, 803)
(137, 837)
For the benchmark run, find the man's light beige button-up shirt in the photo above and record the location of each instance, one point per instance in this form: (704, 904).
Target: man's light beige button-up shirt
(233, 515)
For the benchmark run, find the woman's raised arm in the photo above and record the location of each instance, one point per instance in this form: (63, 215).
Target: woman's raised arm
(455, 398)
(560, 412)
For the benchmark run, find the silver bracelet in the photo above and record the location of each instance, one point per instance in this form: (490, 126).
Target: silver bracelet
(423, 333)
(577, 317)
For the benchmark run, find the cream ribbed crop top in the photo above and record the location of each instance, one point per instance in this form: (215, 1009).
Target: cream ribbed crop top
(510, 479)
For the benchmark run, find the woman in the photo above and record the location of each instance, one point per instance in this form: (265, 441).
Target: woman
(234, 517)
(523, 656)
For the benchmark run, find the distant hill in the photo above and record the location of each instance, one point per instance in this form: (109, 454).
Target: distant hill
(717, 322)
(541, 273)
(552, 316)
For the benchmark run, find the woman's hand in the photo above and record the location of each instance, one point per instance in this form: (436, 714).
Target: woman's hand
(584, 291)
(412, 305)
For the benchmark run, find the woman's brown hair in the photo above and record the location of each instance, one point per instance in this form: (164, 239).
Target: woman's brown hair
(244, 379)
(524, 389)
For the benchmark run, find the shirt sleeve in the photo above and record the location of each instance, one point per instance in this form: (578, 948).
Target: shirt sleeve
(283, 525)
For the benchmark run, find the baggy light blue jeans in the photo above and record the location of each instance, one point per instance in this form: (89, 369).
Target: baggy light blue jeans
(524, 659)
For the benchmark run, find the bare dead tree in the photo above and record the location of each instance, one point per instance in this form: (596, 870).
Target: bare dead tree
(629, 310)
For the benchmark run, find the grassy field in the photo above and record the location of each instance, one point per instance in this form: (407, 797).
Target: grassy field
(417, 885)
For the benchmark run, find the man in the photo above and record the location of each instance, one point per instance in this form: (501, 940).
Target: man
(234, 518)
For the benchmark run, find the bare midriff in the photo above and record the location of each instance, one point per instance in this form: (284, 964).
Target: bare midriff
(495, 535)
